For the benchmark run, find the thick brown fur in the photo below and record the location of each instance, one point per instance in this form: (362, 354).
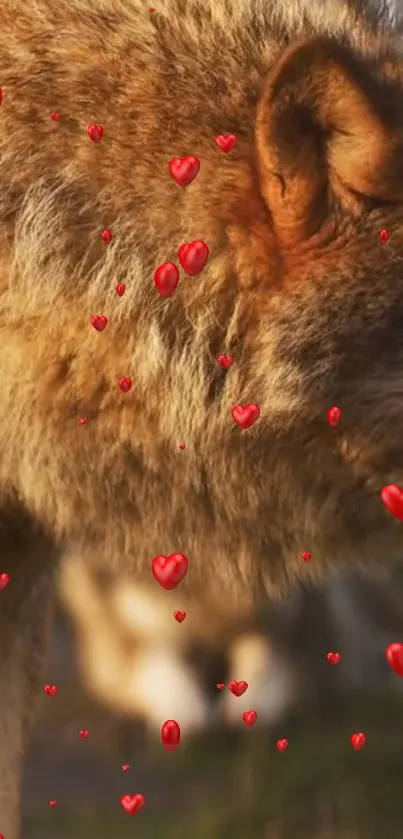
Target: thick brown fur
(297, 287)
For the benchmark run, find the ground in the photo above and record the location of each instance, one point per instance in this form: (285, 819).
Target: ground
(219, 787)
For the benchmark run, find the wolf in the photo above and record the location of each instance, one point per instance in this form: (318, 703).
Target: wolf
(123, 437)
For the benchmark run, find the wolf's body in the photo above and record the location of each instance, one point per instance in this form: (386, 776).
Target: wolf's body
(298, 288)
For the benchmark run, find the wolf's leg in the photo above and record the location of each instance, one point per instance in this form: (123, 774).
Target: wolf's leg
(28, 555)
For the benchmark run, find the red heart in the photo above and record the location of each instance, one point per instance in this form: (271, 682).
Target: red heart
(99, 322)
(4, 580)
(125, 767)
(133, 803)
(220, 685)
(358, 740)
(170, 735)
(392, 497)
(179, 616)
(53, 803)
(249, 718)
(84, 733)
(95, 133)
(169, 570)
(226, 142)
(333, 658)
(245, 415)
(83, 420)
(55, 116)
(120, 289)
(306, 556)
(125, 383)
(394, 657)
(333, 416)
(193, 257)
(106, 236)
(184, 169)
(166, 278)
(51, 690)
(225, 361)
(282, 745)
(181, 446)
(238, 688)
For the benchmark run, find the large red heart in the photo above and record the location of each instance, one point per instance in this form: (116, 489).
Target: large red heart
(170, 570)
(50, 690)
(394, 657)
(193, 257)
(392, 497)
(184, 169)
(226, 142)
(225, 361)
(238, 688)
(95, 133)
(282, 745)
(99, 322)
(166, 278)
(179, 616)
(249, 718)
(333, 658)
(133, 803)
(245, 415)
(170, 735)
(358, 740)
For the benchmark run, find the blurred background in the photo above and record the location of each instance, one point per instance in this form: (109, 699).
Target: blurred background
(123, 665)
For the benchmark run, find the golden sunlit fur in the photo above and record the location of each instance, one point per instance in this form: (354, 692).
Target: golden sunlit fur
(297, 287)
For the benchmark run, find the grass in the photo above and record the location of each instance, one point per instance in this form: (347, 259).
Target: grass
(243, 788)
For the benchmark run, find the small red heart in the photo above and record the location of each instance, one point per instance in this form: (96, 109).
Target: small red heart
(179, 616)
(133, 803)
(95, 133)
(226, 142)
(394, 657)
(392, 497)
(169, 570)
(106, 236)
(193, 257)
(220, 685)
(238, 688)
(333, 658)
(99, 322)
(55, 116)
(170, 735)
(306, 556)
(83, 420)
(125, 383)
(184, 169)
(4, 580)
(282, 745)
(151, 11)
(120, 289)
(181, 446)
(166, 278)
(333, 416)
(249, 718)
(358, 740)
(84, 733)
(245, 415)
(51, 690)
(225, 361)
(125, 767)
(53, 802)
(384, 236)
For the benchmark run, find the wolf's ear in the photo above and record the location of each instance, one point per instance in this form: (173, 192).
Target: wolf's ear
(326, 126)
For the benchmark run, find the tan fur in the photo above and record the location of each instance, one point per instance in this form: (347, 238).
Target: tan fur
(297, 285)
